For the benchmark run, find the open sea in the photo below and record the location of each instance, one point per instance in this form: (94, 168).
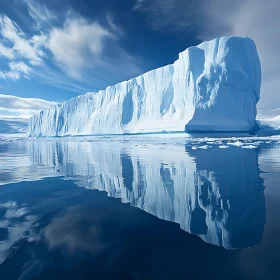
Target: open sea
(140, 207)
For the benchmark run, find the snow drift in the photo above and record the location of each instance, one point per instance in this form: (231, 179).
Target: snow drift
(214, 86)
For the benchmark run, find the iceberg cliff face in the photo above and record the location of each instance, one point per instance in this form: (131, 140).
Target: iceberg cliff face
(214, 86)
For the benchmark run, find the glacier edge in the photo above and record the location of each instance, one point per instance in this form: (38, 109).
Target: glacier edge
(214, 86)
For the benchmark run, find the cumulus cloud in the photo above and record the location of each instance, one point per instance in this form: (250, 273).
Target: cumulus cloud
(83, 42)
(17, 107)
(93, 51)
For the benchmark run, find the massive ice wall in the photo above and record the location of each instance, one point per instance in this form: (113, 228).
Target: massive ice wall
(214, 86)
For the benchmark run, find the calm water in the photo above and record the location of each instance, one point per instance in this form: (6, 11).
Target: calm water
(140, 208)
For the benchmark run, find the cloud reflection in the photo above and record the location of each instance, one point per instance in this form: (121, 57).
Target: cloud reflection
(75, 231)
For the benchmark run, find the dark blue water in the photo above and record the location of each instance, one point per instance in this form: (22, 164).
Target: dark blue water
(140, 209)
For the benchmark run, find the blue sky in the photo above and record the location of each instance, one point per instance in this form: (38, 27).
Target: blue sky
(57, 49)
(64, 48)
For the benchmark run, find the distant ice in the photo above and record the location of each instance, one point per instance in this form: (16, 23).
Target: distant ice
(249, 147)
(204, 147)
(237, 143)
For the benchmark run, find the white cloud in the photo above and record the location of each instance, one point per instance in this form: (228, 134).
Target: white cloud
(17, 69)
(20, 67)
(7, 52)
(17, 107)
(9, 75)
(33, 51)
(79, 55)
(87, 51)
(83, 42)
(40, 13)
(25, 54)
(16, 47)
(21, 46)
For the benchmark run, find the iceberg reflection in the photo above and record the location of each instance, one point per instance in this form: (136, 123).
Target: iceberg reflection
(214, 193)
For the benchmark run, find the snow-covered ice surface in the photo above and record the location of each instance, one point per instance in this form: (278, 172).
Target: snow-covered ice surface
(214, 86)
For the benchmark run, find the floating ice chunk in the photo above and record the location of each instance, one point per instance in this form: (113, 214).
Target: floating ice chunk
(237, 143)
(204, 147)
(249, 147)
(223, 147)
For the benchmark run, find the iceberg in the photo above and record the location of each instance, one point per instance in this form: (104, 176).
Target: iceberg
(214, 86)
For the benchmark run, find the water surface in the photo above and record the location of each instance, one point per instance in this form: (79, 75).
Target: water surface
(140, 208)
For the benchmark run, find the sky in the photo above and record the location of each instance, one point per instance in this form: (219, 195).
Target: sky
(57, 49)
